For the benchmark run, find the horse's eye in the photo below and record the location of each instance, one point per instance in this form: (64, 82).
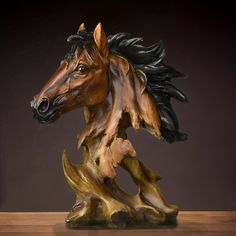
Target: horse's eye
(82, 68)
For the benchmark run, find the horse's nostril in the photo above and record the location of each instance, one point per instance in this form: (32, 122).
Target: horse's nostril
(44, 105)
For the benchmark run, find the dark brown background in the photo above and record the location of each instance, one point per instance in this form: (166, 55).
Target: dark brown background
(199, 174)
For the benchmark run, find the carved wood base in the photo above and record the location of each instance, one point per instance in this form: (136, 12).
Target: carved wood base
(101, 203)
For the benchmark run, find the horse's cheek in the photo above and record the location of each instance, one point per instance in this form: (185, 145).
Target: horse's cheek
(95, 92)
(93, 96)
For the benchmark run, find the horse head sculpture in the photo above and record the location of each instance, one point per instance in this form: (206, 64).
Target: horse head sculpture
(119, 83)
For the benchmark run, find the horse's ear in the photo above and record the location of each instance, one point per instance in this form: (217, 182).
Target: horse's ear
(100, 39)
(81, 27)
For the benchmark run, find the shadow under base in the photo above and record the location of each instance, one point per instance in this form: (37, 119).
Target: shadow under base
(122, 220)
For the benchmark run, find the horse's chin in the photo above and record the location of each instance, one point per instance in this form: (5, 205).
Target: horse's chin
(47, 118)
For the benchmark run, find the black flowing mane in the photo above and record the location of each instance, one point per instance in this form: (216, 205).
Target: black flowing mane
(158, 75)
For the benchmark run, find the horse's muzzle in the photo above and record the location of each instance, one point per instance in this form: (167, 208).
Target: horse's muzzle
(43, 111)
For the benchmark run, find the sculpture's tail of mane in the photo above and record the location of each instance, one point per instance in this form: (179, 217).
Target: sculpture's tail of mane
(158, 78)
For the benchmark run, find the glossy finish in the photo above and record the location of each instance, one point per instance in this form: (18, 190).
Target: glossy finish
(114, 95)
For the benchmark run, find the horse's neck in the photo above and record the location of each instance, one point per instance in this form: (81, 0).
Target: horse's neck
(130, 105)
(96, 118)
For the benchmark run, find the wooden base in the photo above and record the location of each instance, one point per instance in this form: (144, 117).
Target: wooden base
(52, 223)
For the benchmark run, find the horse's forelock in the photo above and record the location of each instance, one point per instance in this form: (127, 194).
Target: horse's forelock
(82, 40)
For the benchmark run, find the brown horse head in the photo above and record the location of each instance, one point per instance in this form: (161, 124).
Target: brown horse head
(80, 80)
(135, 76)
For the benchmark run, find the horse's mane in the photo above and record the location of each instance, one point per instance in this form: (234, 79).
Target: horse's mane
(157, 74)
(158, 77)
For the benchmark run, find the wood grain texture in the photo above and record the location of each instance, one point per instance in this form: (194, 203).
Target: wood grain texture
(52, 223)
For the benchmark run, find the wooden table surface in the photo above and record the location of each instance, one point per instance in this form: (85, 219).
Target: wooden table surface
(52, 223)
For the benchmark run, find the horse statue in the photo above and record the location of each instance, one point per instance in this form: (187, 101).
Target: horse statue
(119, 83)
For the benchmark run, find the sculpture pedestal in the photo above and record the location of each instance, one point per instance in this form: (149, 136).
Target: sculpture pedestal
(100, 202)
